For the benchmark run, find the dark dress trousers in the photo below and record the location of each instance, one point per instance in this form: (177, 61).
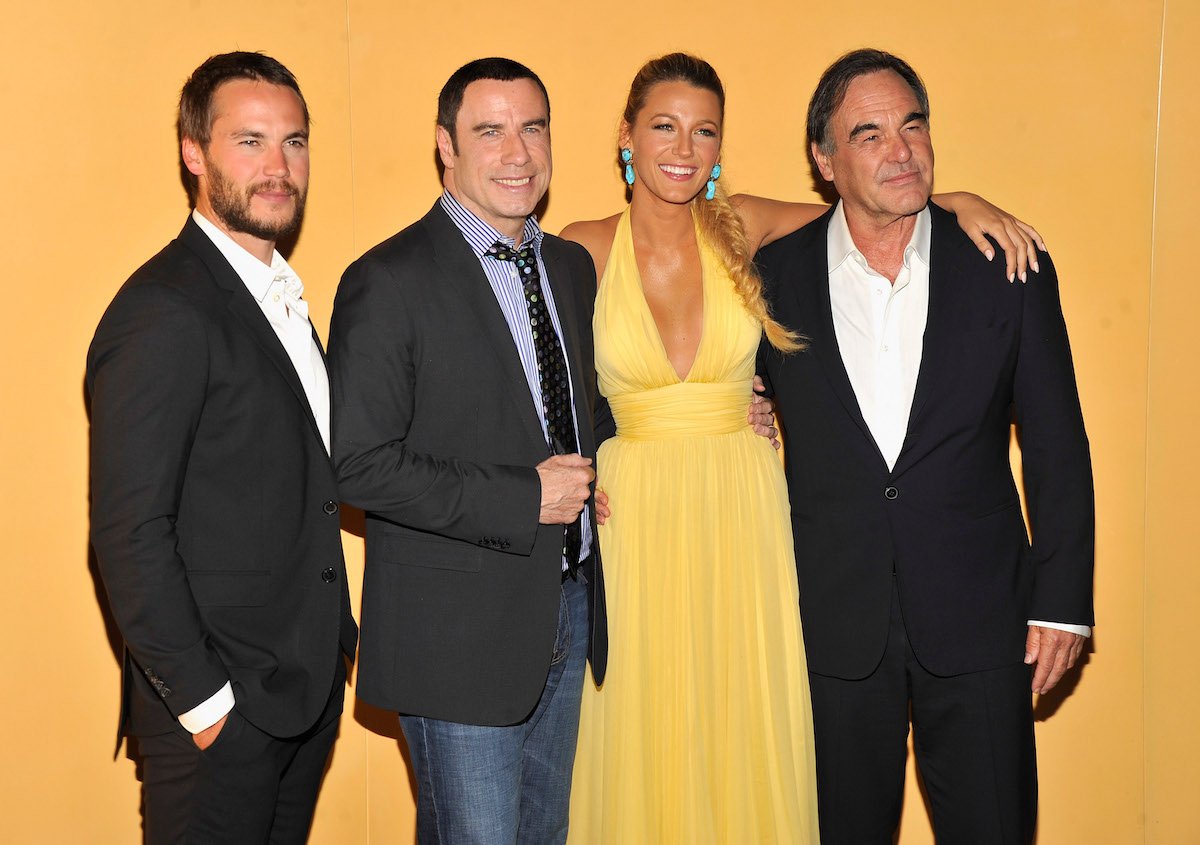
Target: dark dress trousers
(214, 512)
(436, 437)
(943, 530)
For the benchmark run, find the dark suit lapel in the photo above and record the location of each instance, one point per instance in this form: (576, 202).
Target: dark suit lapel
(563, 292)
(812, 291)
(460, 269)
(945, 291)
(248, 313)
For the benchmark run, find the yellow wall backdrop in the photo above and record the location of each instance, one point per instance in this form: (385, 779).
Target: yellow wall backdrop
(1076, 115)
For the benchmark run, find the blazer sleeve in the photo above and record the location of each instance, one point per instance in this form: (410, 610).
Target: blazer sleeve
(374, 387)
(146, 376)
(1055, 457)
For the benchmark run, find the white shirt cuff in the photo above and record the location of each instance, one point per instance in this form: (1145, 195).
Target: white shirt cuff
(1081, 630)
(207, 713)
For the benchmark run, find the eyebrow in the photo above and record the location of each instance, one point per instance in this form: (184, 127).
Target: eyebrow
(874, 127)
(863, 127)
(537, 121)
(676, 118)
(254, 133)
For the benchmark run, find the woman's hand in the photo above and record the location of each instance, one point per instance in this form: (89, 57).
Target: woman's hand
(978, 217)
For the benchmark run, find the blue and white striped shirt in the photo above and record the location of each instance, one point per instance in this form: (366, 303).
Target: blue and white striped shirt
(510, 295)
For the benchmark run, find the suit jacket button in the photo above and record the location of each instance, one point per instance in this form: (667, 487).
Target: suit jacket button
(330, 507)
(328, 575)
(891, 493)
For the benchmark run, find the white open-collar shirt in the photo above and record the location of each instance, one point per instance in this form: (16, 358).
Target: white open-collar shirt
(880, 330)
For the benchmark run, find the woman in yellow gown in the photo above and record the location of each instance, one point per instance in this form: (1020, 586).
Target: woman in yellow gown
(702, 732)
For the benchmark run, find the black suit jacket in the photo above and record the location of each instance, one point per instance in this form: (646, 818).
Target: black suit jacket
(436, 437)
(214, 505)
(947, 519)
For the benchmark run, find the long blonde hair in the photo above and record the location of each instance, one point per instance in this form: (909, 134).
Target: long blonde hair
(720, 223)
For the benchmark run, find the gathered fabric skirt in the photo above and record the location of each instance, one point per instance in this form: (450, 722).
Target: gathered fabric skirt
(702, 732)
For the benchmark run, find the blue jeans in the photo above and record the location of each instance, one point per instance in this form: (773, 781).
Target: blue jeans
(498, 785)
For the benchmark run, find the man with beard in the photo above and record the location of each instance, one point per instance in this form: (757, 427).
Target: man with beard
(214, 502)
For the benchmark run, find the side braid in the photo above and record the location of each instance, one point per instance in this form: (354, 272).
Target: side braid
(723, 229)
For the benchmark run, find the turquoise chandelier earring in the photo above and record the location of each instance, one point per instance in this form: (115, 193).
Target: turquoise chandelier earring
(627, 157)
(710, 190)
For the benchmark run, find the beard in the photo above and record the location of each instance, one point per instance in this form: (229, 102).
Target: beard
(233, 206)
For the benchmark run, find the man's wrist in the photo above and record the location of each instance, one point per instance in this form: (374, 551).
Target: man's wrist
(1081, 630)
(208, 712)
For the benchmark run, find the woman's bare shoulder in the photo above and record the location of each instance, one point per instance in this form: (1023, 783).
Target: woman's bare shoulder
(596, 236)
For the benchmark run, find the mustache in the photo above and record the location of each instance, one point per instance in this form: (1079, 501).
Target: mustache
(274, 186)
(899, 171)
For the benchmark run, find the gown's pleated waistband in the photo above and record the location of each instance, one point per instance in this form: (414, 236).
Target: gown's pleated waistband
(686, 409)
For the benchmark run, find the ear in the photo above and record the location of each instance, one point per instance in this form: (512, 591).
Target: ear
(623, 135)
(445, 148)
(193, 156)
(824, 163)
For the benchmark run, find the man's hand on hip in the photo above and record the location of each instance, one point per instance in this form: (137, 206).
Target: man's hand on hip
(565, 490)
(1053, 652)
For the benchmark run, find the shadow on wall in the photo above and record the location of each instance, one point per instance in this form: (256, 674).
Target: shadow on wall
(385, 723)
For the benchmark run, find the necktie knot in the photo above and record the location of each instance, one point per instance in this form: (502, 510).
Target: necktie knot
(293, 293)
(523, 257)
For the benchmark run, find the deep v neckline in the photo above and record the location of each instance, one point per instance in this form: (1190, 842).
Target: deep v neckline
(649, 313)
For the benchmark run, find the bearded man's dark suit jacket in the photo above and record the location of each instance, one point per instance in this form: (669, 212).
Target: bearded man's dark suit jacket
(436, 437)
(947, 519)
(214, 503)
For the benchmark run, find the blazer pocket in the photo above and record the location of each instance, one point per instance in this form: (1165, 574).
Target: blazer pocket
(1001, 508)
(994, 336)
(431, 551)
(230, 589)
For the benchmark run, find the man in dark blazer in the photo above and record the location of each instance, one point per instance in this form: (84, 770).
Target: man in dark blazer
(919, 587)
(478, 610)
(214, 502)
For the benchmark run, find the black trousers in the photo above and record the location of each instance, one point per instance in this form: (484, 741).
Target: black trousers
(973, 736)
(247, 787)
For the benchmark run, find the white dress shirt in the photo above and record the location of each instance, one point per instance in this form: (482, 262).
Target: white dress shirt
(278, 291)
(880, 330)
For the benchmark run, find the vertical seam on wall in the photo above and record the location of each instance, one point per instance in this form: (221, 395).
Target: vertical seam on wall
(354, 250)
(1150, 392)
(366, 792)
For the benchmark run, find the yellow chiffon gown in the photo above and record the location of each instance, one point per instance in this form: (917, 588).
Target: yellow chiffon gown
(702, 732)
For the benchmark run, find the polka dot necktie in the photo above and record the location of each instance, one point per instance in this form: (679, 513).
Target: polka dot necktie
(552, 372)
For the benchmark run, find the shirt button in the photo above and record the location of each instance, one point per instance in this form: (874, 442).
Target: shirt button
(890, 493)
(885, 348)
(328, 575)
(330, 507)
(275, 298)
